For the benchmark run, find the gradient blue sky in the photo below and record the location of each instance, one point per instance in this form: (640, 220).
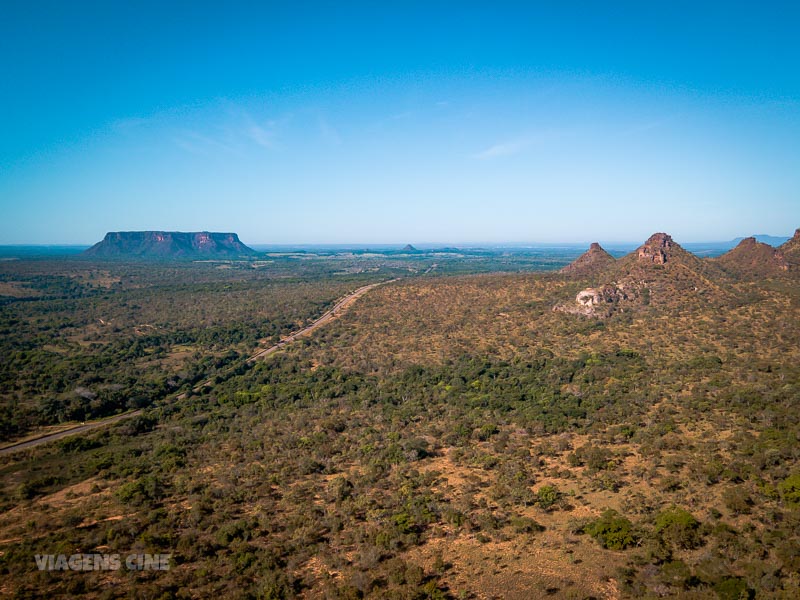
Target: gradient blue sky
(395, 122)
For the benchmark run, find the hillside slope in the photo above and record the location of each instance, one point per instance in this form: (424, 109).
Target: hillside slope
(752, 258)
(591, 262)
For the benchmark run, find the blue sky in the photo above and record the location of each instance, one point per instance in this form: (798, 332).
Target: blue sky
(395, 122)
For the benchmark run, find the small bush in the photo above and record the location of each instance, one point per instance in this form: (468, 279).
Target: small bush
(613, 531)
(733, 588)
(547, 496)
(789, 490)
(678, 527)
(526, 525)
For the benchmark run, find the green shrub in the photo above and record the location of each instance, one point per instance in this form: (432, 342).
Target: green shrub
(486, 431)
(547, 496)
(733, 588)
(526, 525)
(676, 573)
(613, 531)
(678, 527)
(737, 500)
(789, 490)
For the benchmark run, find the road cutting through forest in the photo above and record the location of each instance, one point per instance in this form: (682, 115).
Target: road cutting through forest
(338, 309)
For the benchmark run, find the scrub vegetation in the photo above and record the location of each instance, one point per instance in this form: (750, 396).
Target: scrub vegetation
(449, 436)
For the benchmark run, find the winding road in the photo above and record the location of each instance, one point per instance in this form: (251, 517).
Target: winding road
(338, 309)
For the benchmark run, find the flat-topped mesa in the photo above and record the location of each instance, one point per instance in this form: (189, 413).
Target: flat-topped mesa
(169, 244)
(657, 249)
(590, 262)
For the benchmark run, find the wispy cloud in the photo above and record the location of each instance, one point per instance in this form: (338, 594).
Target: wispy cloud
(260, 132)
(196, 142)
(508, 148)
(261, 135)
(517, 145)
(641, 128)
(236, 131)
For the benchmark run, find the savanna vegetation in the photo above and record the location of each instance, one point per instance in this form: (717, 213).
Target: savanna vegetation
(447, 437)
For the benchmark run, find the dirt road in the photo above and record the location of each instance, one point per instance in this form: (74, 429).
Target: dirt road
(340, 307)
(51, 437)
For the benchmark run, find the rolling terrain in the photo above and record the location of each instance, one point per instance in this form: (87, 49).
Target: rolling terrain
(450, 436)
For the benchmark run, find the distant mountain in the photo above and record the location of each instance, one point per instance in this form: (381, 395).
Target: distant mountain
(409, 248)
(169, 244)
(591, 262)
(772, 240)
(752, 258)
(791, 249)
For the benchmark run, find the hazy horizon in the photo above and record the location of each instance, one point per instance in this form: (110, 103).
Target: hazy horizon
(423, 244)
(375, 123)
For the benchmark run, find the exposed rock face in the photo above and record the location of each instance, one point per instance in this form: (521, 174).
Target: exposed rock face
(596, 302)
(657, 249)
(791, 249)
(594, 260)
(660, 257)
(659, 272)
(169, 244)
(753, 258)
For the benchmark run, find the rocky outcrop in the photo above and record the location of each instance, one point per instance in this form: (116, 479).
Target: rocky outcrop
(659, 272)
(591, 262)
(791, 249)
(598, 302)
(657, 249)
(169, 244)
(752, 258)
(660, 257)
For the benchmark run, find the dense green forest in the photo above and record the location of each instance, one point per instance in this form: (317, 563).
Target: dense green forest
(446, 437)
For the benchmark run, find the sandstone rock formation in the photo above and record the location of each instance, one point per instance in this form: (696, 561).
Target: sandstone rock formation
(169, 244)
(791, 249)
(657, 249)
(659, 271)
(591, 262)
(597, 302)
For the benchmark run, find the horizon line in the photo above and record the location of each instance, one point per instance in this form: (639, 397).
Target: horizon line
(464, 244)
